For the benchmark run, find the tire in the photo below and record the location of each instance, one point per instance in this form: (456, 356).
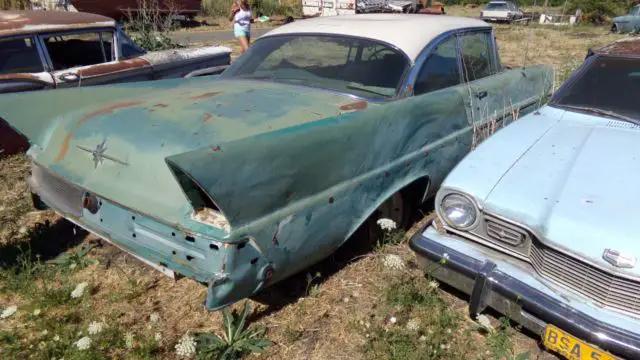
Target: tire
(398, 208)
(615, 29)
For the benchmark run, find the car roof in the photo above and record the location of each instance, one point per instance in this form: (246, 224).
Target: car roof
(27, 22)
(625, 48)
(408, 32)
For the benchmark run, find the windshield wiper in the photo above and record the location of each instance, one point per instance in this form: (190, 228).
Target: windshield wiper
(609, 113)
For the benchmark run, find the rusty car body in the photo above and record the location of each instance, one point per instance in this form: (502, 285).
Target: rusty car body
(244, 179)
(45, 50)
(540, 221)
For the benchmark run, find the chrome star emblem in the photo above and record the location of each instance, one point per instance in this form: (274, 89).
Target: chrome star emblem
(619, 259)
(98, 154)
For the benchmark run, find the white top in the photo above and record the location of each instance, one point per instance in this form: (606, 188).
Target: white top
(408, 32)
(243, 19)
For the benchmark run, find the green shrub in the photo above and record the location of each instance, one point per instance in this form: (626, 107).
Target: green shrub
(266, 7)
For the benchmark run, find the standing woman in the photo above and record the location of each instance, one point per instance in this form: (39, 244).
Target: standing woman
(240, 14)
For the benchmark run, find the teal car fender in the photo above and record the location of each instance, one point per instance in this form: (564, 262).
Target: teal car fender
(192, 179)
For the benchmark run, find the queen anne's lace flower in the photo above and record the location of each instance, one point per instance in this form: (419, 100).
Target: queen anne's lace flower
(94, 328)
(158, 337)
(393, 262)
(413, 325)
(386, 224)
(8, 312)
(154, 317)
(186, 347)
(79, 290)
(433, 284)
(84, 343)
(36, 312)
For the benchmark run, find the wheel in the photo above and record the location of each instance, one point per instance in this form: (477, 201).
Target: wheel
(397, 208)
(615, 29)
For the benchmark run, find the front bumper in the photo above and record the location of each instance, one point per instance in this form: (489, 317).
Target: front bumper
(488, 286)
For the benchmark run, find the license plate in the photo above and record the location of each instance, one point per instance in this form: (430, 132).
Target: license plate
(570, 347)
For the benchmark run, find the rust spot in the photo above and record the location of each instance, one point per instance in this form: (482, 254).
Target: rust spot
(358, 105)
(331, 200)
(108, 68)
(24, 21)
(101, 111)
(161, 105)
(206, 95)
(216, 148)
(621, 47)
(207, 117)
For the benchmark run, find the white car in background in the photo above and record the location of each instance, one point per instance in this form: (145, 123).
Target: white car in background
(501, 11)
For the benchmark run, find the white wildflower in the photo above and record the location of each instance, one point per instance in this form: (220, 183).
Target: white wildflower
(128, 340)
(8, 312)
(346, 299)
(84, 343)
(186, 347)
(56, 338)
(484, 321)
(158, 337)
(79, 290)
(23, 230)
(44, 332)
(433, 284)
(42, 345)
(422, 338)
(36, 312)
(393, 320)
(445, 256)
(72, 266)
(413, 325)
(393, 262)
(94, 328)
(386, 224)
(154, 317)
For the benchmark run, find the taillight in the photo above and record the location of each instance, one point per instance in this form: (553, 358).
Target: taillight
(90, 202)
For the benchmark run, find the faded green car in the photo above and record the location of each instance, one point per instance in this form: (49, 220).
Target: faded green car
(629, 23)
(241, 180)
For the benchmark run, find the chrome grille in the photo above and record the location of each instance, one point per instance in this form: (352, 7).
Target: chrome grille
(599, 286)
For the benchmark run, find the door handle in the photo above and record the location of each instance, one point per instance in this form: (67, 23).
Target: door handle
(481, 95)
(69, 77)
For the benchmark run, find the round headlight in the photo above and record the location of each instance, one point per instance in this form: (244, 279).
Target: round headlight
(458, 211)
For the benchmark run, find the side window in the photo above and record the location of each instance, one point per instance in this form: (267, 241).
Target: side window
(19, 56)
(128, 47)
(477, 57)
(440, 70)
(81, 49)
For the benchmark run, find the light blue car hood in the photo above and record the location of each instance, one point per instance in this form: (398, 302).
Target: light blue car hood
(572, 178)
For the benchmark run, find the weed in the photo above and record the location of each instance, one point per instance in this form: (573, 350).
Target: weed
(74, 260)
(238, 338)
(500, 341)
(311, 289)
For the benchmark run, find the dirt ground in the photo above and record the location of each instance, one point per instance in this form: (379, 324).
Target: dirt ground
(339, 309)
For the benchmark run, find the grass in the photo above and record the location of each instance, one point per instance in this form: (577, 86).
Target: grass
(343, 309)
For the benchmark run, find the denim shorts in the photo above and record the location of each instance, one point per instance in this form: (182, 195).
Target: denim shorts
(239, 31)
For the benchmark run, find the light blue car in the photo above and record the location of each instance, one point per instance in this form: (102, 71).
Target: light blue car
(629, 23)
(542, 221)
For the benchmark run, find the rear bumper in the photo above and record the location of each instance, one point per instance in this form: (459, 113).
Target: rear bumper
(488, 286)
(232, 271)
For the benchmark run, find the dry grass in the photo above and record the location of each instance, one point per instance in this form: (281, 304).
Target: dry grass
(342, 315)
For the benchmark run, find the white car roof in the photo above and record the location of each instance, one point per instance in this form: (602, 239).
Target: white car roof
(408, 32)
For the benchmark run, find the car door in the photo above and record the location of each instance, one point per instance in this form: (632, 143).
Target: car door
(22, 67)
(497, 96)
(90, 57)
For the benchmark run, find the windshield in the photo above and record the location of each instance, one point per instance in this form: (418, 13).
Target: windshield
(497, 6)
(352, 65)
(609, 84)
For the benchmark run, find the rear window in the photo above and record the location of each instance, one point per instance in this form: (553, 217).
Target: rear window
(19, 56)
(497, 6)
(610, 84)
